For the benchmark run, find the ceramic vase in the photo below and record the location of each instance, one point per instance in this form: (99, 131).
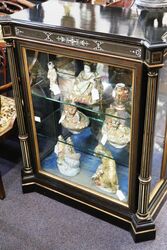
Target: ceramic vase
(120, 95)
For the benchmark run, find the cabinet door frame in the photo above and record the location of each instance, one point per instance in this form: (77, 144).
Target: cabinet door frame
(137, 119)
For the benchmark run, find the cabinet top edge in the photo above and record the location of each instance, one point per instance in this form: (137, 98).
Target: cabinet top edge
(128, 25)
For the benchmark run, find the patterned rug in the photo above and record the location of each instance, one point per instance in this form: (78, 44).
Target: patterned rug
(7, 114)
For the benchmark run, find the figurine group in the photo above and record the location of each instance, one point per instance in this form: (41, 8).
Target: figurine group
(73, 119)
(68, 161)
(87, 89)
(114, 129)
(106, 174)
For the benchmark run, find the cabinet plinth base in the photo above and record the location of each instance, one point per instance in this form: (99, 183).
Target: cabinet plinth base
(141, 231)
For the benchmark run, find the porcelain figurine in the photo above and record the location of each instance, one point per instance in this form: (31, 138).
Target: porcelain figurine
(72, 119)
(60, 149)
(87, 87)
(115, 130)
(52, 76)
(120, 94)
(106, 175)
(68, 161)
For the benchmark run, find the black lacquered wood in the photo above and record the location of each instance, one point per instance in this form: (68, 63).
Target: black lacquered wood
(132, 25)
(120, 37)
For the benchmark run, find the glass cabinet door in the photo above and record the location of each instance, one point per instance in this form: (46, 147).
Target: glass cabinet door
(82, 113)
(159, 158)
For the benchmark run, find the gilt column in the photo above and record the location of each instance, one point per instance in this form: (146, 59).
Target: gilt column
(142, 220)
(145, 177)
(19, 108)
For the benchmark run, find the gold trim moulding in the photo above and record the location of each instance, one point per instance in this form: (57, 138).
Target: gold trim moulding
(127, 204)
(75, 199)
(155, 189)
(141, 232)
(83, 188)
(143, 217)
(153, 210)
(79, 49)
(165, 53)
(76, 41)
(154, 65)
(29, 103)
(89, 205)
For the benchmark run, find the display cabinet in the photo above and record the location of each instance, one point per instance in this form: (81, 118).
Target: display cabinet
(91, 96)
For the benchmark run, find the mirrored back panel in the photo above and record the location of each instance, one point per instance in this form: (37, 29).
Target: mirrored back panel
(82, 113)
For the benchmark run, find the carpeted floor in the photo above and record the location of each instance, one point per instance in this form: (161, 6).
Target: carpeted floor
(32, 221)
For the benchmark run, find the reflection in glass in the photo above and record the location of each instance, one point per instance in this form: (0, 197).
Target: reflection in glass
(160, 127)
(68, 20)
(82, 117)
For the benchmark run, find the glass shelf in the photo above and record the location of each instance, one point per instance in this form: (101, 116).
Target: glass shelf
(89, 164)
(83, 138)
(98, 109)
(85, 141)
(88, 167)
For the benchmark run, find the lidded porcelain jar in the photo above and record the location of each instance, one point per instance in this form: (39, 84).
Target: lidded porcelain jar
(120, 95)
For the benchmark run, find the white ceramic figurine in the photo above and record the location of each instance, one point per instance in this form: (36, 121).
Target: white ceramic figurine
(52, 76)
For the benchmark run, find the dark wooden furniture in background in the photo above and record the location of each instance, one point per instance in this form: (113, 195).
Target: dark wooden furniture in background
(3, 89)
(12, 6)
(8, 7)
(2, 191)
(118, 3)
(3, 62)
